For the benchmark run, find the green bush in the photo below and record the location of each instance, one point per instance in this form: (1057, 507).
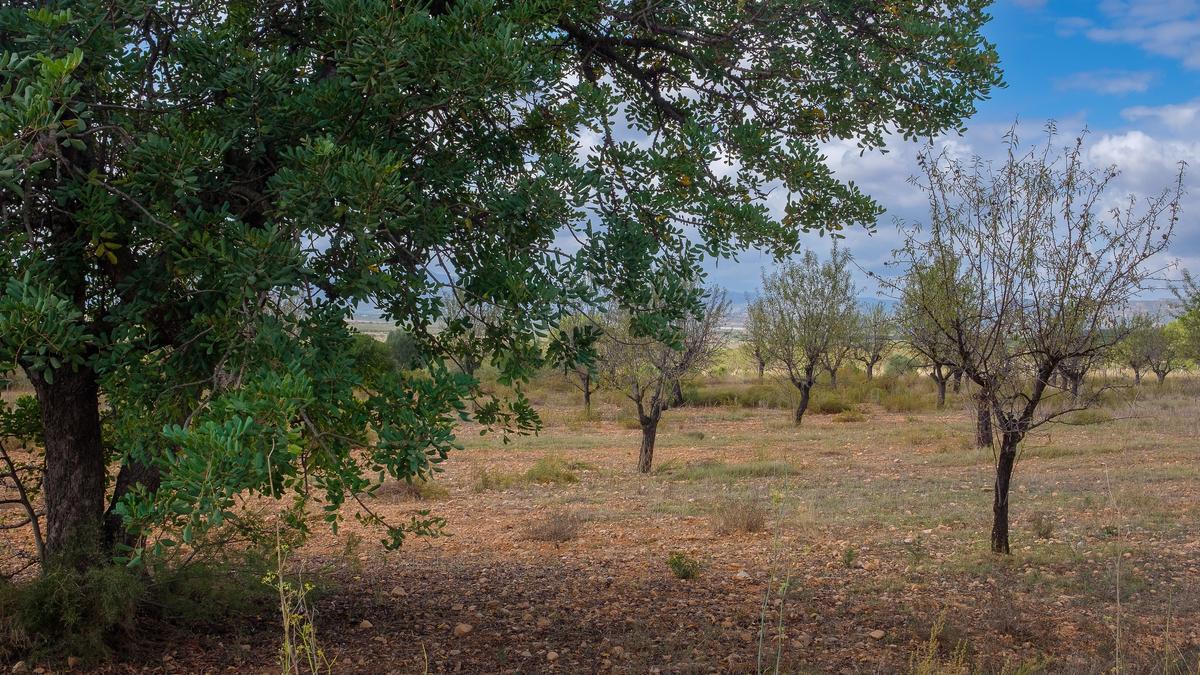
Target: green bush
(851, 415)
(66, 612)
(827, 403)
(553, 469)
(905, 400)
(1088, 416)
(756, 395)
(683, 566)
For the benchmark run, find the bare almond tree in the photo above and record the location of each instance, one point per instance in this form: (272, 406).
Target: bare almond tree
(1050, 262)
(805, 305)
(645, 369)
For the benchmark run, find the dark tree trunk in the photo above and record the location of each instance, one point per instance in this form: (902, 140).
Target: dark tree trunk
(649, 432)
(587, 394)
(1004, 470)
(762, 368)
(1137, 376)
(75, 466)
(832, 377)
(983, 421)
(130, 475)
(1076, 381)
(798, 416)
(676, 394)
(958, 381)
(870, 371)
(1161, 375)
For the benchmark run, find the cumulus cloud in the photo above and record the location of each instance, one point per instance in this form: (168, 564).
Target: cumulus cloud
(1168, 28)
(1108, 82)
(1177, 117)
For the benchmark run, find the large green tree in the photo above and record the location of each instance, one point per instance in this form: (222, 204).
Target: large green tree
(195, 195)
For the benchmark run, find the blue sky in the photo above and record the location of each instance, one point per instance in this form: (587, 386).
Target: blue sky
(1128, 70)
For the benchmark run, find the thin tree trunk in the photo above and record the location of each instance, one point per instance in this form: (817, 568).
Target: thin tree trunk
(798, 416)
(587, 395)
(832, 377)
(1076, 381)
(958, 381)
(676, 394)
(1004, 469)
(870, 371)
(649, 431)
(937, 375)
(983, 421)
(1137, 376)
(75, 469)
(1162, 377)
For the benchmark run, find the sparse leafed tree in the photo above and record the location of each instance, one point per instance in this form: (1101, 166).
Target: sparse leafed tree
(874, 337)
(195, 196)
(1187, 291)
(1164, 349)
(1052, 271)
(577, 332)
(754, 344)
(1135, 350)
(803, 306)
(645, 368)
(929, 297)
(841, 347)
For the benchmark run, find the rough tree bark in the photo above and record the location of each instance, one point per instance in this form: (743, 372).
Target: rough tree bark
(1004, 469)
(983, 421)
(805, 390)
(649, 424)
(676, 394)
(75, 466)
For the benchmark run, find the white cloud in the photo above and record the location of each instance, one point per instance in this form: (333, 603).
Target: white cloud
(1108, 81)
(1177, 117)
(1168, 28)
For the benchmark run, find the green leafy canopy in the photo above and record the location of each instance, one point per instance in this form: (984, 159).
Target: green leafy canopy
(194, 197)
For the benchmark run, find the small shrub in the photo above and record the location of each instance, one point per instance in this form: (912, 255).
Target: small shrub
(683, 566)
(739, 515)
(1088, 416)
(487, 480)
(828, 404)
(695, 435)
(68, 612)
(417, 489)
(549, 470)
(554, 526)
(553, 469)
(848, 416)
(849, 556)
(710, 470)
(903, 401)
(1043, 525)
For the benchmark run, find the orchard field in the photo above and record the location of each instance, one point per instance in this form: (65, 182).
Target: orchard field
(856, 542)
